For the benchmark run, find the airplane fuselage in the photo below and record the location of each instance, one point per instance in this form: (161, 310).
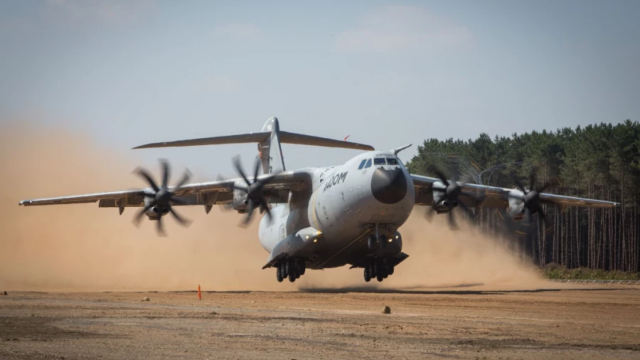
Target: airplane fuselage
(371, 193)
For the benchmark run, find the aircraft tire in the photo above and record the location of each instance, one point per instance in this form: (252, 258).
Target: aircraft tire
(367, 276)
(391, 269)
(379, 269)
(283, 269)
(379, 277)
(372, 270)
(279, 274)
(292, 277)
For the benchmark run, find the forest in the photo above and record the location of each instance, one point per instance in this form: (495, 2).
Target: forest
(596, 161)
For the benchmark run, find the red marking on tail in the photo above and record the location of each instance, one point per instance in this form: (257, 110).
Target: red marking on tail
(345, 139)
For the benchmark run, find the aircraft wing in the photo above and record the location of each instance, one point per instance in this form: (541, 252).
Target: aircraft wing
(497, 197)
(205, 193)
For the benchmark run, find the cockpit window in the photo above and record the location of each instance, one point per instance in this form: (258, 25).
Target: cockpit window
(368, 164)
(379, 161)
(392, 161)
(362, 164)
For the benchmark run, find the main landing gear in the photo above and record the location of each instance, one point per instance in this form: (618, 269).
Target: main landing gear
(291, 268)
(378, 269)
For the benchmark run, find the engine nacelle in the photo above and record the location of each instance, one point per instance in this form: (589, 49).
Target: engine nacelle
(516, 204)
(441, 204)
(154, 212)
(240, 202)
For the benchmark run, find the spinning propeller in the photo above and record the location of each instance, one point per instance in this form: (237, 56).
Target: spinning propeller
(531, 198)
(161, 199)
(450, 197)
(255, 190)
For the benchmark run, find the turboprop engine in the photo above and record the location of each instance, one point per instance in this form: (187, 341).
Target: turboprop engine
(240, 201)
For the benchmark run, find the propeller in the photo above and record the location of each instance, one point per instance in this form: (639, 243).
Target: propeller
(451, 192)
(531, 198)
(161, 197)
(254, 190)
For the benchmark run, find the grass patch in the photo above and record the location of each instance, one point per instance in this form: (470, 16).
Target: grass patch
(555, 271)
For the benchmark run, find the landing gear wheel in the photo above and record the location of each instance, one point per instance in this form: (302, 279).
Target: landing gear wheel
(372, 270)
(279, 274)
(378, 269)
(367, 275)
(390, 270)
(379, 277)
(383, 240)
(283, 270)
(292, 277)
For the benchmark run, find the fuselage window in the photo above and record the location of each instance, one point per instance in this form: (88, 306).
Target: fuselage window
(392, 161)
(368, 164)
(379, 161)
(362, 164)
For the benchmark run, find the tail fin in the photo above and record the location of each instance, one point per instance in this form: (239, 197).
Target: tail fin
(268, 140)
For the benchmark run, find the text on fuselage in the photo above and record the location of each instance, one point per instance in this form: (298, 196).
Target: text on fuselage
(335, 180)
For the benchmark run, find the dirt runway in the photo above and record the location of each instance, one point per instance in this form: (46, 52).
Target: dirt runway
(558, 321)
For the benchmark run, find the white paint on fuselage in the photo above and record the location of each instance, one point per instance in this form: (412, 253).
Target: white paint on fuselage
(341, 205)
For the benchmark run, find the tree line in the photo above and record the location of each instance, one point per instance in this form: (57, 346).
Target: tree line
(596, 161)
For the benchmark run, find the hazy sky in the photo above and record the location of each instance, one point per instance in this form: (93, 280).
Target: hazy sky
(386, 73)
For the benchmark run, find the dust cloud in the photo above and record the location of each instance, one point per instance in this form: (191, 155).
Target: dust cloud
(440, 257)
(86, 248)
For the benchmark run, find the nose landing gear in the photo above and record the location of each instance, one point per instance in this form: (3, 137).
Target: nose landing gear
(290, 268)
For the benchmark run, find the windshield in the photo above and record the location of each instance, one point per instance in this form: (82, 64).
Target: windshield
(392, 161)
(379, 161)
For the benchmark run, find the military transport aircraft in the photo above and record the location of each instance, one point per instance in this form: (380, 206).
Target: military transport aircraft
(325, 217)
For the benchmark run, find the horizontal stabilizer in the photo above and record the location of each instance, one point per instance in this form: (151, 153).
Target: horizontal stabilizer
(216, 140)
(293, 138)
(285, 137)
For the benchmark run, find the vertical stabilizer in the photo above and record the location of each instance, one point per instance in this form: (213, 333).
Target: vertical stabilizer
(270, 149)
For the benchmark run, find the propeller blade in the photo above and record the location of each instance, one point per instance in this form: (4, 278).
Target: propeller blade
(160, 227)
(140, 214)
(452, 221)
(441, 176)
(519, 185)
(165, 173)
(267, 179)
(532, 178)
(265, 207)
(541, 212)
(142, 172)
(256, 170)
(238, 166)
(235, 187)
(185, 178)
(180, 219)
(247, 219)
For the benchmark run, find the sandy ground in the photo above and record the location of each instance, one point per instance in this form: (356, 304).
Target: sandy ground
(558, 321)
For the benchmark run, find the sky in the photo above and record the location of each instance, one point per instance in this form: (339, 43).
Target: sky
(387, 73)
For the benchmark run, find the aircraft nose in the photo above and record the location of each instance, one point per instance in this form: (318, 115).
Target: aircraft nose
(389, 186)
